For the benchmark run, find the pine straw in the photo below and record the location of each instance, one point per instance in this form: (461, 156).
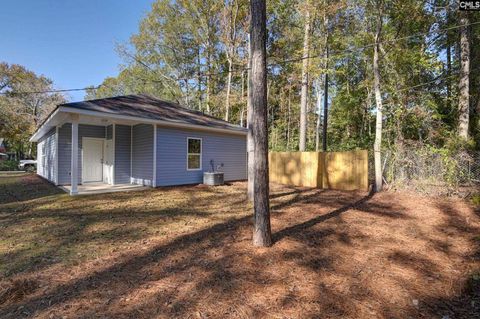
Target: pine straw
(16, 290)
(336, 254)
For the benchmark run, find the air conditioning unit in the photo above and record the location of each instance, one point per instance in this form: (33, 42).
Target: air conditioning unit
(213, 179)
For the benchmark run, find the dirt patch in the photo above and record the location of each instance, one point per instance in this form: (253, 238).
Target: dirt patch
(186, 253)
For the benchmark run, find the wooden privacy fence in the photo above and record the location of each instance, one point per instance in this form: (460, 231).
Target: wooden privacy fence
(333, 170)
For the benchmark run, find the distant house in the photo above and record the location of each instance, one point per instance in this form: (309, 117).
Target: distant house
(3, 150)
(136, 139)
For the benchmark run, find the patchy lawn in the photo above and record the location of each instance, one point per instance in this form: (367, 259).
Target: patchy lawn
(186, 252)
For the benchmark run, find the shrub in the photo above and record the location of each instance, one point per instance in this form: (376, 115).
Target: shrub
(9, 165)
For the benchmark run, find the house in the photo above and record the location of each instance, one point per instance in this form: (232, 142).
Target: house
(135, 139)
(3, 150)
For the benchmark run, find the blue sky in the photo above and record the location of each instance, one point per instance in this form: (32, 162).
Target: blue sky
(70, 41)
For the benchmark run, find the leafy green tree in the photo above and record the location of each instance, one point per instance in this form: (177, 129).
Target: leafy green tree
(24, 104)
(195, 53)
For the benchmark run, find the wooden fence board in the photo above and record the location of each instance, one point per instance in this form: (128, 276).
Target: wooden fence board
(334, 170)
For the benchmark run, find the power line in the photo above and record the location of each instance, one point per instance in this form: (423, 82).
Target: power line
(370, 45)
(51, 91)
(298, 59)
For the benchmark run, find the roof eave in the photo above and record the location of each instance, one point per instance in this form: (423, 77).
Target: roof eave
(73, 110)
(37, 134)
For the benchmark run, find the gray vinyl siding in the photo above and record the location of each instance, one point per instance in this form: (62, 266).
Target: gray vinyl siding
(109, 131)
(46, 156)
(134, 154)
(142, 154)
(171, 163)
(65, 149)
(64, 153)
(122, 153)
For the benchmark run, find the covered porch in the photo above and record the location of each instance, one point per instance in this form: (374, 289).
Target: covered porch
(113, 155)
(99, 153)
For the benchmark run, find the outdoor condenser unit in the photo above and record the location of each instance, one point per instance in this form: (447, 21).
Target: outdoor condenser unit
(214, 177)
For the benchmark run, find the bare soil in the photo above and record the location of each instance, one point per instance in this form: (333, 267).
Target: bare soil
(186, 252)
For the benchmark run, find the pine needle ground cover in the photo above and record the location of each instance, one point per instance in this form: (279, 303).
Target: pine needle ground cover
(185, 252)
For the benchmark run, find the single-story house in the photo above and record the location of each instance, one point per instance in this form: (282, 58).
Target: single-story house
(136, 139)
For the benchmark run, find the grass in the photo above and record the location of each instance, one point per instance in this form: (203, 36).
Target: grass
(186, 252)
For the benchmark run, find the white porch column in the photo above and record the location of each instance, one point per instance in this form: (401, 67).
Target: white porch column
(154, 182)
(56, 156)
(74, 159)
(114, 138)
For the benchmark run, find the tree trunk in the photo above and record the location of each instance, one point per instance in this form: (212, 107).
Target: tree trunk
(199, 79)
(449, 76)
(366, 118)
(242, 113)
(262, 232)
(304, 93)
(289, 119)
(449, 60)
(463, 85)
(325, 113)
(229, 87)
(378, 99)
(209, 76)
(477, 116)
(187, 93)
(250, 142)
(319, 91)
(207, 102)
(325, 89)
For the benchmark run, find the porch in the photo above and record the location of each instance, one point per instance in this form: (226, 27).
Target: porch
(89, 154)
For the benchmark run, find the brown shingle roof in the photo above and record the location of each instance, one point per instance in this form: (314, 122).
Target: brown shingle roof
(145, 106)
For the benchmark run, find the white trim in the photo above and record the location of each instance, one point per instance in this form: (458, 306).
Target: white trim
(74, 158)
(34, 137)
(107, 173)
(141, 181)
(66, 109)
(114, 133)
(131, 154)
(201, 153)
(56, 155)
(83, 161)
(154, 181)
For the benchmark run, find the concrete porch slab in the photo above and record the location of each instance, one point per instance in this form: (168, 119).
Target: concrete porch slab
(102, 188)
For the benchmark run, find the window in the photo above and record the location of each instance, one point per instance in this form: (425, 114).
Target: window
(194, 153)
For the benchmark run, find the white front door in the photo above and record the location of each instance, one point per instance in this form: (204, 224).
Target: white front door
(108, 162)
(92, 167)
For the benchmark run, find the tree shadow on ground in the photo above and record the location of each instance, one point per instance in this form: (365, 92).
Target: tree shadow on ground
(214, 266)
(336, 254)
(465, 302)
(54, 229)
(24, 186)
(307, 224)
